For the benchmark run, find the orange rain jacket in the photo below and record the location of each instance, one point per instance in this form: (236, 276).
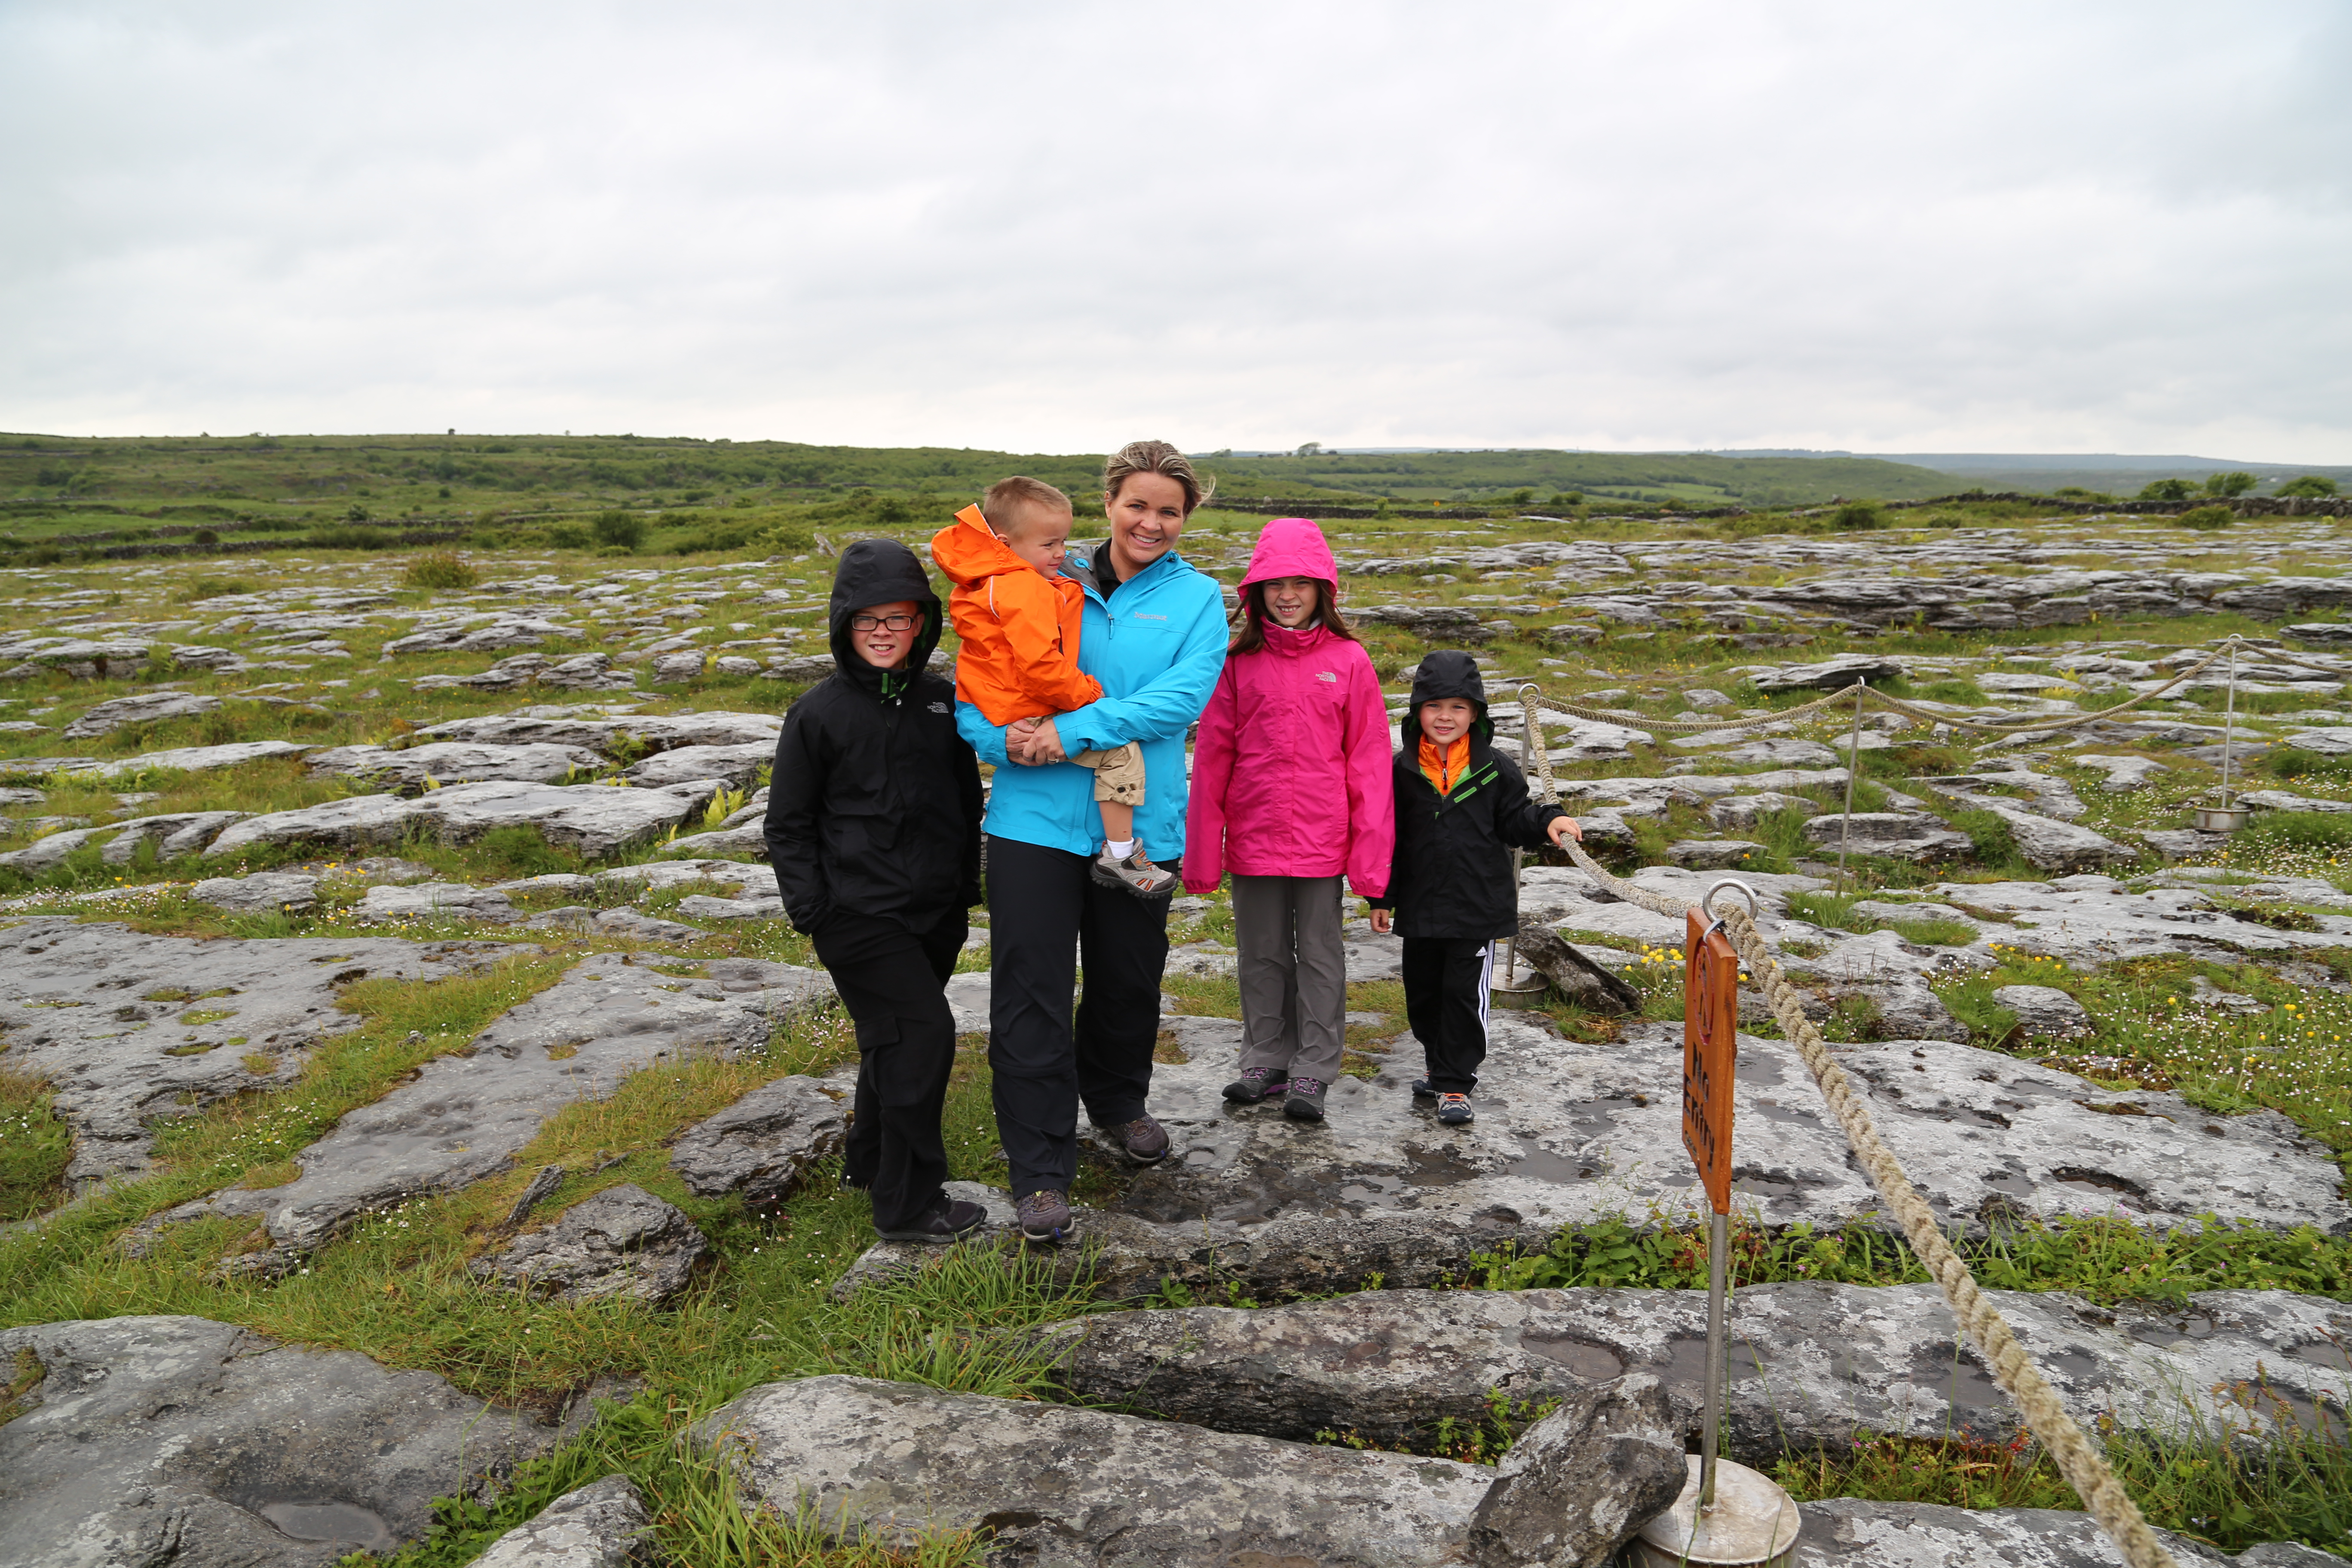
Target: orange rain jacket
(1020, 628)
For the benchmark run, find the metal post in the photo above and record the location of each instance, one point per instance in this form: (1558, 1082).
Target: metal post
(1718, 1246)
(1852, 766)
(2229, 724)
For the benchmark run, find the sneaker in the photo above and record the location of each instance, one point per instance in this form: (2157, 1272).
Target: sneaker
(1044, 1215)
(1258, 1083)
(1143, 1139)
(947, 1221)
(1424, 1089)
(1454, 1110)
(1305, 1100)
(1136, 874)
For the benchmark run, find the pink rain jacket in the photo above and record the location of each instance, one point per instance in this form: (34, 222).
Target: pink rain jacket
(1291, 767)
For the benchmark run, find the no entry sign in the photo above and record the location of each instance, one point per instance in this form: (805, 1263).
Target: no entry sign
(1710, 1052)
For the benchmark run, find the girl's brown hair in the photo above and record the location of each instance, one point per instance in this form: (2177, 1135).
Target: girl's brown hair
(1154, 457)
(1250, 616)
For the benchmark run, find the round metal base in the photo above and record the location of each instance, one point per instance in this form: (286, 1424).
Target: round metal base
(1527, 993)
(2220, 818)
(1753, 1522)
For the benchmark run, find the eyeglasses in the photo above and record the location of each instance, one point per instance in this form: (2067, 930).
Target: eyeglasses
(895, 623)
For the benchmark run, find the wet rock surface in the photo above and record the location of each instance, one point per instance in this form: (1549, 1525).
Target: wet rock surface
(130, 1028)
(1810, 1364)
(1845, 1532)
(765, 1143)
(1575, 1485)
(466, 1117)
(601, 1525)
(174, 1440)
(1068, 1487)
(594, 819)
(622, 1242)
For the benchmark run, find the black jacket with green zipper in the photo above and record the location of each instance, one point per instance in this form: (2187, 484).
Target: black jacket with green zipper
(1452, 872)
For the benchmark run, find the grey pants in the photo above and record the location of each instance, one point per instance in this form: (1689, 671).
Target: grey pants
(1293, 972)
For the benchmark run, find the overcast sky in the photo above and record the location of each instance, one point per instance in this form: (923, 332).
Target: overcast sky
(1980, 226)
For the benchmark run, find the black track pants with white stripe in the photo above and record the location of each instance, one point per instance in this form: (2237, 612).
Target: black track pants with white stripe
(1446, 982)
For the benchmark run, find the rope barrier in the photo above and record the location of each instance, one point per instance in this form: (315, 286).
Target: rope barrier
(2077, 1457)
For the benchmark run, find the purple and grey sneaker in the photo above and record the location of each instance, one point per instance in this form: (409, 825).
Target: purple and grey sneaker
(1305, 1100)
(1256, 1084)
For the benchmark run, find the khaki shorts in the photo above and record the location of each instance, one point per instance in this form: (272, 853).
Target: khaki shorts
(1119, 773)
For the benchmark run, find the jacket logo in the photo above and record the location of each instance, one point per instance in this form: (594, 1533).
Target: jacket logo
(938, 706)
(1327, 675)
(1146, 617)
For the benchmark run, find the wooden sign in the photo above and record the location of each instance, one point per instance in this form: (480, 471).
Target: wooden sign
(1710, 1053)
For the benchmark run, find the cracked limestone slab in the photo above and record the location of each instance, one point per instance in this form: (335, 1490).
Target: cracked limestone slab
(463, 1118)
(408, 770)
(1063, 1487)
(175, 1439)
(1810, 1364)
(101, 1013)
(594, 819)
(2090, 919)
(680, 764)
(601, 1525)
(178, 759)
(648, 731)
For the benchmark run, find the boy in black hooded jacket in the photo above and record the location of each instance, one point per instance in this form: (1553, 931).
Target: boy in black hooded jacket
(873, 828)
(1460, 810)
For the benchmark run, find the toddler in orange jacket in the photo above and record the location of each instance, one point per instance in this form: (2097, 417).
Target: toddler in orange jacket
(1018, 618)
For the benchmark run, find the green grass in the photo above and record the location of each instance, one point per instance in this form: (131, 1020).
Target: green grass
(35, 1148)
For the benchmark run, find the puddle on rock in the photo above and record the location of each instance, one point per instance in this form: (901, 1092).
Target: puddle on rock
(1538, 1163)
(1596, 1363)
(325, 1518)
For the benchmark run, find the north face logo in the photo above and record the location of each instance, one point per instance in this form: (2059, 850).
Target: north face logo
(938, 706)
(1327, 675)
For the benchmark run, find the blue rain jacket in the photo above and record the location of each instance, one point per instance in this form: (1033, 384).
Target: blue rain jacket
(1156, 645)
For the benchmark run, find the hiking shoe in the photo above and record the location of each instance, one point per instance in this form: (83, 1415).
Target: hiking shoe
(1424, 1089)
(1305, 1100)
(1454, 1110)
(1143, 1139)
(1136, 874)
(1044, 1215)
(1256, 1084)
(946, 1222)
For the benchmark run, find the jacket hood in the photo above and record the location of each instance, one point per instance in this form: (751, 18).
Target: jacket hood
(1448, 672)
(1292, 547)
(969, 551)
(881, 572)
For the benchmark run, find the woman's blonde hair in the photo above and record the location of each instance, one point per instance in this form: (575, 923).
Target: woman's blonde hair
(1154, 457)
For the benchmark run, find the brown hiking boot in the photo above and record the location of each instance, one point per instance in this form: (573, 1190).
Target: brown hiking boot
(1143, 1139)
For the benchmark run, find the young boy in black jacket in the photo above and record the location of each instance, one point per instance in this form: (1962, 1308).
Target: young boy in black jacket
(873, 828)
(1460, 811)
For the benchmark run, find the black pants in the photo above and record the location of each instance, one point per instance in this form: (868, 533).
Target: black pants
(1445, 999)
(1044, 907)
(893, 981)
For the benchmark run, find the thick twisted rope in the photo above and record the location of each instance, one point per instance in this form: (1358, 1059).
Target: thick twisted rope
(2077, 1457)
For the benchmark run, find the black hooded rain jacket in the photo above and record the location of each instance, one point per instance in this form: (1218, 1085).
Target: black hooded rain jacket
(1451, 873)
(873, 805)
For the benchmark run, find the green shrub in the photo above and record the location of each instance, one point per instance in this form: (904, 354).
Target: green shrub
(2165, 490)
(788, 538)
(440, 569)
(349, 539)
(2233, 484)
(619, 529)
(2318, 486)
(1858, 514)
(212, 588)
(204, 536)
(2206, 518)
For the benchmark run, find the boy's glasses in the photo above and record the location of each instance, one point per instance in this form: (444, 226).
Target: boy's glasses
(894, 623)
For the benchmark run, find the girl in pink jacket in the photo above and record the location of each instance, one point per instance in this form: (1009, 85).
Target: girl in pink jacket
(1290, 789)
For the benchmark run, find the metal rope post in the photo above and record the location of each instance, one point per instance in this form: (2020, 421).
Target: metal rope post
(2229, 724)
(1852, 766)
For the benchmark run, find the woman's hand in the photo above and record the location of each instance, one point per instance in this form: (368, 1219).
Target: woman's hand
(1045, 743)
(1563, 828)
(1381, 921)
(1017, 736)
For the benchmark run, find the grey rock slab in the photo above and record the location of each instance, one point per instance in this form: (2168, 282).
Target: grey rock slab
(1577, 1485)
(1829, 675)
(1738, 813)
(200, 759)
(463, 1118)
(2090, 920)
(259, 893)
(425, 899)
(745, 838)
(682, 765)
(407, 771)
(2124, 774)
(180, 1440)
(172, 835)
(143, 707)
(1899, 834)
(702, 906)
(764, 1145)
(2285, 800)
(1568, 1135)
(1712, 854)
(648, 731)
(2332, 740)
(2048, 796)
(2044, 1012)
(601, 1525)
(77, 1012)
(594, 819)
(1847, 1533)
(1810, 1364)
(621, 1243)
(1064, 1487)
